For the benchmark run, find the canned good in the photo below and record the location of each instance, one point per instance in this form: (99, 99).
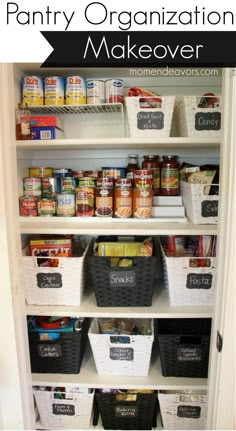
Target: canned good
(123, 195)
(28, 206)
(40, 172)
(87, 182)
(68, 184)
(113, 172)
(94, 174)
(105, 182)
(65, 205)
(142, 203)
(95, 91)
(114, 89)
(143, 179)
(104, 202)
(59, 174)
(123, 183)
(32, 186)
(75, 90)
(47, 207)
(79, 174)
(84, 201)
(32, 90)
(54, 90)
(49, 187)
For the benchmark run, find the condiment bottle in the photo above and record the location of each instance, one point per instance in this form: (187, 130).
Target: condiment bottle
(23, 126)
(152, 163)
(132, 166)
(169, 176)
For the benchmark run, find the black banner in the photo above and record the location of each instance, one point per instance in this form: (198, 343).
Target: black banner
(136, 49)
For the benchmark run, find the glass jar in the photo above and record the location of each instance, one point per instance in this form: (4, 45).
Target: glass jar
(170, 176)
(23, 125)
(152, 163)
(132, 166)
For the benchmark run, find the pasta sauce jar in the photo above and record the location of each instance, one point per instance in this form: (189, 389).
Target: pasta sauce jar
(123, 195)
(152, 163)
(169, 176)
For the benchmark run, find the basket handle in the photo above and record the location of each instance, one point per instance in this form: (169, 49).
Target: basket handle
(189, 398)
(120, 340)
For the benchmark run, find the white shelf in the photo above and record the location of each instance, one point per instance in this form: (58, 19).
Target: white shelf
(88, 377)
(110, 226)
(159, 309)
(119, 143)
(103, 108)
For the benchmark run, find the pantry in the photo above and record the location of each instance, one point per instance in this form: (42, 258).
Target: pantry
(95, 137)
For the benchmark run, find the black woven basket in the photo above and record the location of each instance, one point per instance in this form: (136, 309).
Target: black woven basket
(60, 356)
(121, 287)
(184, 346)
(127, 415)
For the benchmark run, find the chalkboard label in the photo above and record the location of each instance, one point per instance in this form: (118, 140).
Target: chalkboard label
(49, 280)
(210, 208)
(121, 353)
(189, 354)
(150, 120)
(49, 350)
(192, 412)
(207, 121)
(126, 411)
(63, 409)
(199, 281)
(122, 279)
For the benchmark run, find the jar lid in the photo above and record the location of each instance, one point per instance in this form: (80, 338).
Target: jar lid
(170, 157)
(134, 156)
(152, 157)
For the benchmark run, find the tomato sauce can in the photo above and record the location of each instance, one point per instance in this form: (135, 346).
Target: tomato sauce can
(143, 179)
(46, 207)
(32, 186)
(65, 205)
(49, 187)
(54, 90)
(95, 91)
(28, 206)
(142, 203)
(40, 172)
(114, 90)
(85, 201)
(75, 90)
(32, 90)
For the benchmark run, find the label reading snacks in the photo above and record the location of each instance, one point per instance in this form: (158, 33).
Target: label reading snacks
(122, 279)
(121, 353)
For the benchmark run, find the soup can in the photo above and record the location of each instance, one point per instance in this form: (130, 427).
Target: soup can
(46, 207)
(85, 201)
(54, 90)
(75, 90)
(28, 206)
(114, 90)
(65, 205)
(95, 91)
(32, 90)
(40, 172)
(142, 203)
(49, 187)
(32, 186)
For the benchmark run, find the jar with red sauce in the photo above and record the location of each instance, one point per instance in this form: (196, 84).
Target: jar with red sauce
(132, 166)
(170, 176)
(152, 163)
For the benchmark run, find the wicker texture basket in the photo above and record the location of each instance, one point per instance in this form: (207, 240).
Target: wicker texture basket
(127, 415)
(184, 346)
(187, 113)
(183, 411)
(199, 206)
(152, 122)
(64, 413)
(64, 355)
(131, 358)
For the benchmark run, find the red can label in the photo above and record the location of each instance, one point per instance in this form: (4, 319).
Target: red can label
(28, 206)
(143, 179)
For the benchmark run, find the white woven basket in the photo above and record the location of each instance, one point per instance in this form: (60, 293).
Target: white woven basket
(178, 275)
(186, 114)
(196, 203)
(64, 413)
(165, 114)
(135, 355)
(183, 411)
(65, 283)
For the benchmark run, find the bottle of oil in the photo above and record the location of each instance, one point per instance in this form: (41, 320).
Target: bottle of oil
(23, 126)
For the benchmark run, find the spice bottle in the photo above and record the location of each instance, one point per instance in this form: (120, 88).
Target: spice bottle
(152, 163)
(169, 176)
(23, 126)
(132, 166)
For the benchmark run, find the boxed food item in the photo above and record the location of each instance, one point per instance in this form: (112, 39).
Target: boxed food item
(51, 247)
(48, 132)
(125, 248)
(46, 121)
